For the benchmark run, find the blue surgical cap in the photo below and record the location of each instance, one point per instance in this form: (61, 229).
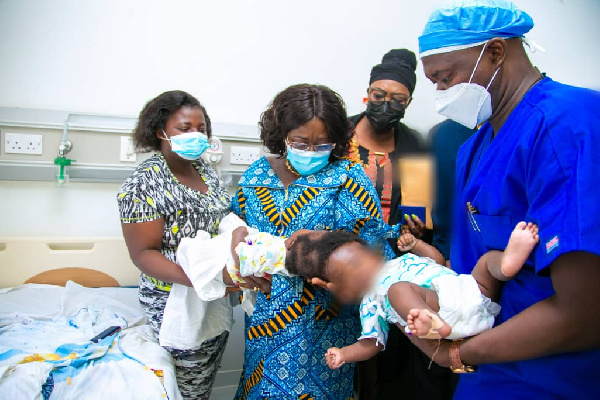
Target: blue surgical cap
(468, 23)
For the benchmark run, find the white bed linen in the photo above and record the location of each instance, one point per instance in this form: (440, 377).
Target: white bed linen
(41, 318)
(31, 299)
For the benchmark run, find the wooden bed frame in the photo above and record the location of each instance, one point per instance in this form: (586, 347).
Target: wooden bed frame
(84, 276)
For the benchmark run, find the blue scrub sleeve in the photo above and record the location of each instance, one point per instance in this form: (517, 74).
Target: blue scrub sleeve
(562, 191)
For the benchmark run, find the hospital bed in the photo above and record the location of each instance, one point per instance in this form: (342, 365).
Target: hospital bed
(52, 284)
(70, 328)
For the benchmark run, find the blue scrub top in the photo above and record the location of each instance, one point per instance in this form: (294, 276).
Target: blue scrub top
(543, 166)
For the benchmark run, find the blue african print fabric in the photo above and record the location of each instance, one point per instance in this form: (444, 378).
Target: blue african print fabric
(293, 326)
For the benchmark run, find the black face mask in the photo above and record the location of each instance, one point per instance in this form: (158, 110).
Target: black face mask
(382, 117)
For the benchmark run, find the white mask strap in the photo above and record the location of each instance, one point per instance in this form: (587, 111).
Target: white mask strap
(477, 63)
(166, 137)
(533, 45)
(492, 80)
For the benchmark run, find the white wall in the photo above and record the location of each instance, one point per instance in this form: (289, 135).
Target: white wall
(42, 209)
(112, 56)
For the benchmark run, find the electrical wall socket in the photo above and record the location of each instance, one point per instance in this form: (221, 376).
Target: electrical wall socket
(244, 155)
(127, 152)
(22, 143)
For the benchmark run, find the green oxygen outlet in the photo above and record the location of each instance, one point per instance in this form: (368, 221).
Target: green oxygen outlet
(61, 163)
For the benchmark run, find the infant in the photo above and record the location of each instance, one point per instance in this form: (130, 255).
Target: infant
(426, 298)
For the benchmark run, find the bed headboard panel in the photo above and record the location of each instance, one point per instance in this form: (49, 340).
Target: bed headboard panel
(23, 257)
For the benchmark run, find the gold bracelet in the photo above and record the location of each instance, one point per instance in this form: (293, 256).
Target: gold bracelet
(456, 364)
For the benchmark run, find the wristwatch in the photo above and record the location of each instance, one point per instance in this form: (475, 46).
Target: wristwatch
(456, 364)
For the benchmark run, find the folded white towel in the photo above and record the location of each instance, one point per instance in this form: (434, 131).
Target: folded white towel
(195, 314)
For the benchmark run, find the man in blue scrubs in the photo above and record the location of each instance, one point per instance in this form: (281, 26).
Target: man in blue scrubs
(535, 158)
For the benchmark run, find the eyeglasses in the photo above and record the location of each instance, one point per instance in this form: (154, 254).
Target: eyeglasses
(397, 102)
(314, 147)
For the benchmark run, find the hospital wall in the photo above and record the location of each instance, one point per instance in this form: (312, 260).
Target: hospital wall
(110, 57)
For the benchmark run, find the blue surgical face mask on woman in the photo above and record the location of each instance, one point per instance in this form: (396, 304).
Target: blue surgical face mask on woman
(307, 162)
(188, 145)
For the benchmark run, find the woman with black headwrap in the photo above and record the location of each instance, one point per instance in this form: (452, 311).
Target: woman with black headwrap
(381, 139)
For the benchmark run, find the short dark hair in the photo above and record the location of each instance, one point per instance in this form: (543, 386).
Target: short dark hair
(309, 257)
(297, 105)
(155, 114)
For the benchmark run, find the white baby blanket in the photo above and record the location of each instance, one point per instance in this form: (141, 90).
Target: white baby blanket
(195, 314)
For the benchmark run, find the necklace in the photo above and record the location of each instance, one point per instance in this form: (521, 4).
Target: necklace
(373, 168)
(290, 168)
(353, 154)
(377, 162)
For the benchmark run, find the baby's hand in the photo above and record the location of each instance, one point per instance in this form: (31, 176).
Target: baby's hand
(334, 358)
(406, 242)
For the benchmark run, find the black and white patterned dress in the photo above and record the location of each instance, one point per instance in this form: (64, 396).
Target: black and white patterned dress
(153, 192)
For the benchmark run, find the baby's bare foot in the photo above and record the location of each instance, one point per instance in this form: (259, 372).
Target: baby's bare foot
(520, 245)
(424, 323)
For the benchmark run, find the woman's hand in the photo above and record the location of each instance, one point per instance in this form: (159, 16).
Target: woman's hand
(324, 285)
(415, 225)
(301, 232)
(289, 242)
(231, 289)
(251, 282)
(257, 284)
(237, 236)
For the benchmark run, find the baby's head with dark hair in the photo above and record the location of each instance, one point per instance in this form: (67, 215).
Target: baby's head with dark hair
(310, 253)
(336, 257)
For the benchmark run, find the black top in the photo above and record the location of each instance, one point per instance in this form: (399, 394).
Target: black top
(406, 141)
(446, 138)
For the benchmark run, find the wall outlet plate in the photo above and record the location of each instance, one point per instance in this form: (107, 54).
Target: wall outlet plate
(22, 143)
(127, 152)
(243, 155)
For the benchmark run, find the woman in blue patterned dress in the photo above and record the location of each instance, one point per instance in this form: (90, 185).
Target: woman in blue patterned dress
(306, 185)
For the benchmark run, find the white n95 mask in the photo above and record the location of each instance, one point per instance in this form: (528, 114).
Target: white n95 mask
(469, 104)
